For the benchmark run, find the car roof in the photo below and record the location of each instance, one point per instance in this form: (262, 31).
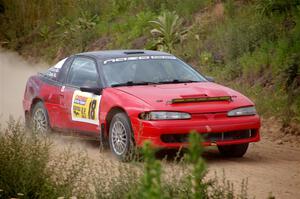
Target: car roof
(106, 54)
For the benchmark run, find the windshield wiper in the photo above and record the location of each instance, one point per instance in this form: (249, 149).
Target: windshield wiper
(131, 83)
(174, 81)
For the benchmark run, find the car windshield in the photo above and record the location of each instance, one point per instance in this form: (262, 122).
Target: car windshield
(151, 71)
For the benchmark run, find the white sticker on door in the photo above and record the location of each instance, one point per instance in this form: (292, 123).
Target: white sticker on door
(85, 107)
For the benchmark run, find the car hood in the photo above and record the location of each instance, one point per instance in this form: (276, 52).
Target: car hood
(160, 96)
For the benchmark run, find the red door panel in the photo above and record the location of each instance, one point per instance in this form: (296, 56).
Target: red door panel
(81, 110)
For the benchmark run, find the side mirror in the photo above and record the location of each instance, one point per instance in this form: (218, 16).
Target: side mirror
(94, 90)
(210, 79)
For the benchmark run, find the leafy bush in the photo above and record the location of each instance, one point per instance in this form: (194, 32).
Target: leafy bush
(168, 31)
(242, 35)
(131, 28)
(184, 8)
(23, 164)
(188, 7)
(269, 7)
(76, 34)
(27, 171)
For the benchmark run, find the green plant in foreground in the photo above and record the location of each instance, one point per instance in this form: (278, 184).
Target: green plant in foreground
(27, 170)
(193, 186)
(23, 163)
(150, 186)
(196, 179)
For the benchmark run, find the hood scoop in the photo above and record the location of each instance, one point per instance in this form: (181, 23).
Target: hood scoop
(200, 98)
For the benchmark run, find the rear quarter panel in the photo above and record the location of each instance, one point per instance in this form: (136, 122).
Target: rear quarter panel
(32, 91)
(39, 90)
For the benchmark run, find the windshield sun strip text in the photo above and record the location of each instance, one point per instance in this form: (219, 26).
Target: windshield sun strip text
(122, 59)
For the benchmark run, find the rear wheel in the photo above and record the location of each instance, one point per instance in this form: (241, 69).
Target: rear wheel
(121, 139)
(237, 150)
(40, 119)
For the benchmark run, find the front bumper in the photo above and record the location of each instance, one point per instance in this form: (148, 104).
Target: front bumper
(216, 129)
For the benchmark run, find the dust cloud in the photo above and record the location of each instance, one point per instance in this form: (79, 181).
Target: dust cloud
(14, 72)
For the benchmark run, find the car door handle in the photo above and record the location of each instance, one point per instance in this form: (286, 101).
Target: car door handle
(62, 99)
(62, 90)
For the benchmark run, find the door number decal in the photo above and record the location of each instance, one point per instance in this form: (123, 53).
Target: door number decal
(85, 107)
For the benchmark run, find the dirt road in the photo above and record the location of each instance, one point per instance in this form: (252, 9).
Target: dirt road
(269, 167)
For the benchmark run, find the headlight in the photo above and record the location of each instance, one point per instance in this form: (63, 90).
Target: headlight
(242, 111)
(162, 115)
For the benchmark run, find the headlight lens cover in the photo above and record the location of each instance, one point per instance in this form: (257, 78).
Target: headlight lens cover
(242, 111)
(165, 115)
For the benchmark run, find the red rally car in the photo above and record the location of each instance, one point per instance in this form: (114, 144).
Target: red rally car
(129, 96)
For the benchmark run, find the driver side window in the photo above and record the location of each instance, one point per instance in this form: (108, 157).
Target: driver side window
(83, 72)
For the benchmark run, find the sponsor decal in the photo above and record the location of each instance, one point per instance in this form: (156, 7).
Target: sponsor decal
(85, 107)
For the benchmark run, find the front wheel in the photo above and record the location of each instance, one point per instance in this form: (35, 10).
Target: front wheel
(39, 119)
(121, 139)
(237, 150)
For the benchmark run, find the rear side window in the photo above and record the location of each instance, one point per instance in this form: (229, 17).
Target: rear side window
(83, 72)
(62, 76)
(54, 71)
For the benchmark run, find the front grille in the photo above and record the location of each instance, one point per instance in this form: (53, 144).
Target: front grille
(211, 137)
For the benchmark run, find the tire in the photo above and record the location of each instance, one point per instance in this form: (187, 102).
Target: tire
(121, 139)
(40, 119)
(236, 151)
